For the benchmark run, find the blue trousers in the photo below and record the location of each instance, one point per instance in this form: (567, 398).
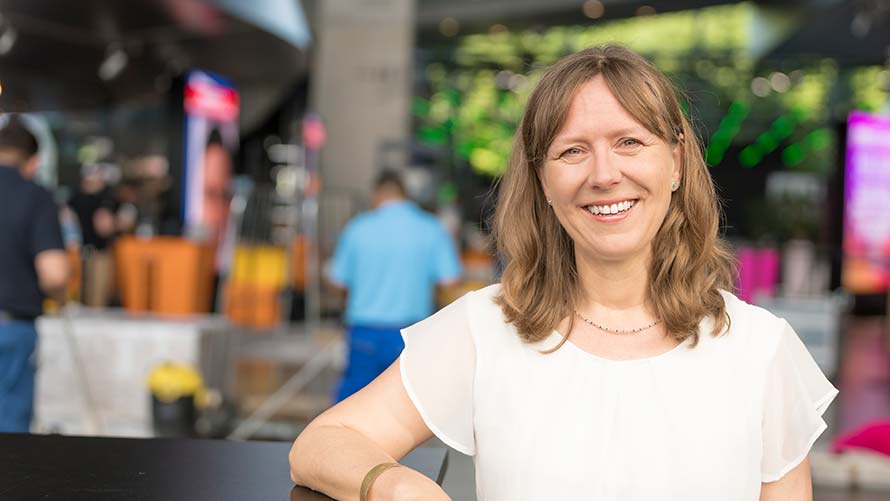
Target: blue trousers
(371, 351)
(17, 368)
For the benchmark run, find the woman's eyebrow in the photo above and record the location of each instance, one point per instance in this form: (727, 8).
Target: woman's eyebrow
(632, 130)
(629, 131)
(567, 139)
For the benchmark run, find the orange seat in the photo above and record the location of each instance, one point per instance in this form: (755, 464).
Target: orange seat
(164, 275)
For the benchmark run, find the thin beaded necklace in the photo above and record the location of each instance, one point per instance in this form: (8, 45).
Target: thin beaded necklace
(617, 331)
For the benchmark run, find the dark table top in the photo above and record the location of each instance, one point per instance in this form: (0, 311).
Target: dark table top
(55, 467)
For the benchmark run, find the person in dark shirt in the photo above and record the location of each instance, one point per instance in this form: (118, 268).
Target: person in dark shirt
(94, 207)
(33, 265)
(95, 212)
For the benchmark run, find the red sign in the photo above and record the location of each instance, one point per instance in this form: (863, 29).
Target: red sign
(206, 98)
(314, 134)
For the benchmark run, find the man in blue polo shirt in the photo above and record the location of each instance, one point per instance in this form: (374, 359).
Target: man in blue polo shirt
(33, 264)
(389, 260)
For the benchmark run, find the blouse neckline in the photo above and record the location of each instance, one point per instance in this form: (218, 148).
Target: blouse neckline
(555, 335)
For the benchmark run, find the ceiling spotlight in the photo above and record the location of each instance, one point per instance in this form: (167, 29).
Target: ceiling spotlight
(114, 63)
(593, 9)
(860, 25)
(779, 82)
(449, 26)
(7, 39)
(760, 87)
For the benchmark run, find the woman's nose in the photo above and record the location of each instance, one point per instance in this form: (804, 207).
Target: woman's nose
(604, 171)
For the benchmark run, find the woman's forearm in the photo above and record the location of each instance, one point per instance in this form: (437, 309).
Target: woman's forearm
(334, 460)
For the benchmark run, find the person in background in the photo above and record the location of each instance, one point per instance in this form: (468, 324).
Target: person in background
(95, 211)
(33, 266)
(389, 260)
(127, 199)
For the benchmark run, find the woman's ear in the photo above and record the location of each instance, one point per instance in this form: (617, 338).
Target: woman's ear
(678, 154)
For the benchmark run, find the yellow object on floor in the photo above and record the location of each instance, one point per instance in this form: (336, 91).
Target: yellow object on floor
(169, 382)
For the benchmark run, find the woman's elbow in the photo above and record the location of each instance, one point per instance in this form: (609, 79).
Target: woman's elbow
(296, 457)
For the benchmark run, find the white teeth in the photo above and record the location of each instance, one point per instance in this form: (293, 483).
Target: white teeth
(610, 209)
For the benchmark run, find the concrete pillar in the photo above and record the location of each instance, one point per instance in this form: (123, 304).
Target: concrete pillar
(362, 87)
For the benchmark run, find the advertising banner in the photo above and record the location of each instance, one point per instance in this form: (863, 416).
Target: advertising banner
(866, 264)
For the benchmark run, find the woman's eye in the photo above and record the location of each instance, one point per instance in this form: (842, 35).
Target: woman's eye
(571, 152)
(630, 142)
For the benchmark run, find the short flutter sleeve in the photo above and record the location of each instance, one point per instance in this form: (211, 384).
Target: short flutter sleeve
(796, 395)
(438, 367)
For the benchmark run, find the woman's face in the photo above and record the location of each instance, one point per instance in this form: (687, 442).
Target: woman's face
(608, 177)
(217, 186)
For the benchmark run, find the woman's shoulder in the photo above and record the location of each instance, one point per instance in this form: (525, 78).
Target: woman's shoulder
(486, 319)
(487, 294)
(747, 313)
(480, 300)
(751, 326)
(482, 306)
(475, 311)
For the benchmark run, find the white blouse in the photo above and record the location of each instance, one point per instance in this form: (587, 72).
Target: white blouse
(707, 423)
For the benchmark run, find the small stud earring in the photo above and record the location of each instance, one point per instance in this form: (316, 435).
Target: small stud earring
(549, 202)
(674, 186)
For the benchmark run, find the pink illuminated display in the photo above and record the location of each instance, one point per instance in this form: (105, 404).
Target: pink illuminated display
(866, 267)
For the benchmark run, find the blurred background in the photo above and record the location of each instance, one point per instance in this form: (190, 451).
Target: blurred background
(206, 155)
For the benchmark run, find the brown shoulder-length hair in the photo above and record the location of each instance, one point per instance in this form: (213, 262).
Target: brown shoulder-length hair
(539, 285)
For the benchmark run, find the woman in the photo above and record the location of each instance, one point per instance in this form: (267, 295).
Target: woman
(610, 363)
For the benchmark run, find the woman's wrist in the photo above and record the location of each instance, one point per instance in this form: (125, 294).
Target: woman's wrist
(389, 484)
(401, 483)
(371, 478)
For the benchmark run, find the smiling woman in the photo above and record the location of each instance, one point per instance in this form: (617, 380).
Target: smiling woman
(605, 143)
(601, 165)
(670, 387)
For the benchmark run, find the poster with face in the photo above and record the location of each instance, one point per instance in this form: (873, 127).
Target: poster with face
(211, 138)
(866, 264)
